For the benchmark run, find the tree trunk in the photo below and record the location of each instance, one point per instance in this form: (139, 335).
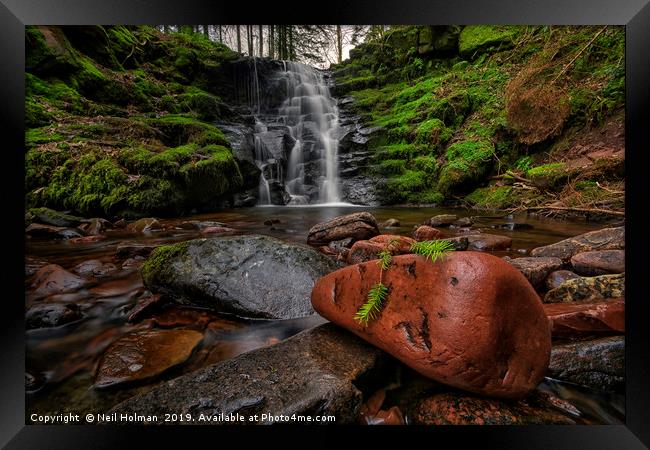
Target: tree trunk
(220, 35)
(292, 54)
(238, 38)
(261, 38)
(249, 39)
(271, 42)
(339, 43)
(206, 31)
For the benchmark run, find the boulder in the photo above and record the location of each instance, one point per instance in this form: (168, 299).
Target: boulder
(363, 251)
(341, 245)
(587, 289)
(470, 320)
(426, 233)
(463, 222)
(144, 355)
(605, 239)
(51, 217)
(315, 372)
(488, 242)
(87, 239)
(358, 226)
(95, 226)
(51, 315)
(52, 232)
(54, 279)
(95, 268)
(598, 363)
(557, 277)
(398, 245)
(442, 220)
(586, 319)
(144, 225)
(216, 230)
(460, 243)
(535, 269)
(457, 408)
(599, 262)
(391, 223)
(251, 276)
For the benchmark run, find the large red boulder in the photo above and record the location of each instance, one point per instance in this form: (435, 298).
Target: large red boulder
(470, 320)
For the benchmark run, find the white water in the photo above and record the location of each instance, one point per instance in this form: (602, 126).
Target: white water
(310, 117)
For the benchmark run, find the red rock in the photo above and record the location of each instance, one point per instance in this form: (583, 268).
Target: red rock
(535, 269)
(52, 232)
(175, 316)
(358, 226)
(488, 242)
(605, 239)
(599, 262)
(363, 251)
(54, 279)
(143, 355)
(87, 239)
(144, 306)
(144, 225)
(470, 320)
(571, 320)
(392, 416)
(426, 233)
(460, 409)
(399, 244)
(216, 230)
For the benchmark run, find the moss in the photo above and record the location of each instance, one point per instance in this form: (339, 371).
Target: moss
(391, 167)
(476, 39)
(182, 129)
(430, 197)
(397, 151)
(550, 176)
(491, 197)
(35, 114)
(427, 164)
(154, 268)
(40, 164)
(545, 169)
(466, 163)
(409, 181)
(43, 135)
(200, 103)
(432, 133)
(585, 185)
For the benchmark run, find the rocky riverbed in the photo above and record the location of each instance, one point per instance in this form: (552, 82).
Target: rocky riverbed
(218, 315)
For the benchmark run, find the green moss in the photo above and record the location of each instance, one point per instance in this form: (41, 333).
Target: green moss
(430, 197)
(466, 163)
(586, 185)
(549, 176)
(491, 197)
(432, 133)
(391, 167)
(397, 151)
(182, 129)
(545, 169)
(154, 268)
(409, 181)
(475, 39)
(200, 103)
(43, 135)
(427, 164)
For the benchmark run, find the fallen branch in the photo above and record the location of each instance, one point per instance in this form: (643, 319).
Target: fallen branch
(586, 210)
(611, 191)
(578, 55)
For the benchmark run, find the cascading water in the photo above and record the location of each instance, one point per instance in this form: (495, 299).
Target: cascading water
(296, 145)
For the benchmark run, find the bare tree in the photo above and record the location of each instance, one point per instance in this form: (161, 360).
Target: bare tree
(238, 38)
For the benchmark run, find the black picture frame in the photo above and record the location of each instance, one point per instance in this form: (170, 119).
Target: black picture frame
(634, 14)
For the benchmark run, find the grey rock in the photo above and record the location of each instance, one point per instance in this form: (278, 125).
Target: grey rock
(605, 239)
(535, 269)
(442, 220)
(51, 315)
(487, 242)
(599, 262)
(251, 276)
(315, 372)
(357, 226)
(599, 363)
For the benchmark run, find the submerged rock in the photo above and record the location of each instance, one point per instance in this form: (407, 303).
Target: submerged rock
(488, 242)
(95, 268)
(599, 363)
(605, 239)
(442, 220)
(469, 320)
(557, 277)
(52, 232)
(576, 320)
(251, 276)
(51, 315)
(216, 230)
(600, 262)
(54, 279)
(316, 372)
(143, 355)
(358, 226)
(455, 408)
(587, 289)
(426, 233)
(95, 226)
(391, 223)
(535, 269)
(132, 249)
(144, 225)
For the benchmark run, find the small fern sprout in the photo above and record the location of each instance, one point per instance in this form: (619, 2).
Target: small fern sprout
(432, 249)
(371, 309)
(385, 258)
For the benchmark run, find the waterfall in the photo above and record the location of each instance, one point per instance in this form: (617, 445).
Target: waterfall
(296, 145)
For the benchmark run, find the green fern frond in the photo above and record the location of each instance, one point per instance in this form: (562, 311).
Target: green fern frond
(432, 249)
(385, 257)
(371, 309)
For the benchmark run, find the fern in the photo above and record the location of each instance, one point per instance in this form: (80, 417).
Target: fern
(371, 309)
(385, 258)
(432, 249)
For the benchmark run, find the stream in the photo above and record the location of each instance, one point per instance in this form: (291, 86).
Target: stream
(61, 361)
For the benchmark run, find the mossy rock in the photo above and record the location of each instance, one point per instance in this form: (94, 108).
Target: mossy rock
(180, 129)
(550, 176)
(51, 217)
(466, 163)
(477, 39)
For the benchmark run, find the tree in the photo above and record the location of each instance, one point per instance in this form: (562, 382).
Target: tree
(261, 40)
(271, 42)
(238, 38)
(206, 32)
(339, 43)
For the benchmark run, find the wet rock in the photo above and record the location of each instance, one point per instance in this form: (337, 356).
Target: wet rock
(95, 268)
(512, 226)
(144, 355)
(457, 408)
(48, 216)
(535, 269)
(363, 251)
(32, 265)
(144, 225)
(341, 245)
(466, 231)
(587, 289)
(51, 315)
(270, 222)
(391, 223)
(463, 222)
(216, 230)
(52, 232)
(87, 239)
(504, 353)
(488, 242)
(442, 220)
(426, 233)
(576, 320)
(358, 226)
(599, 363)
(174, 316)
(460, 243)
(251, 276)
(95, 226)
(120, 224)
(131, 250)
(600, 262)
(144, 306)
(33, 381)
(557, 277)
(131, 263)
(315, 372)
(200, 225)
(605, 239)
(54, 279)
